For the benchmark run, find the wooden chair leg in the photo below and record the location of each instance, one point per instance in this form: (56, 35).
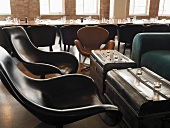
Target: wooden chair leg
(68, 48)
(64, 47)
(124, 50)
(118, 46)
(51, 48)
(79, 58)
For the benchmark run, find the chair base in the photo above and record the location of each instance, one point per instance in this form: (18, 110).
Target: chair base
(85, 69)
(108, 119)
(59, 126)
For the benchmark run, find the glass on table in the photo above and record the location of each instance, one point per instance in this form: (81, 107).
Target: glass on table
(71, 21)
(103, 19)
(8, 19)
(37, 19)
(16, 21)
(63, 19)
(111, 20)
(119, 20)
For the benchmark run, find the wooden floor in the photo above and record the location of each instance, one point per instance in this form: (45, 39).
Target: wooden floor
(13, 115)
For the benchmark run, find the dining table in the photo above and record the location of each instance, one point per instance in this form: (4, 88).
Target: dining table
(60, 22)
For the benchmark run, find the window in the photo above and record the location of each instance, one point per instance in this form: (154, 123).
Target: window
(139, 7)
(87, 7)
(52, 7)
(5, 8)
(164, 7)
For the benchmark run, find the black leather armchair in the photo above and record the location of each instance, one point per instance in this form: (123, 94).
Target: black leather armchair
(42, 35)
(55, 101)
(68, 34)
(126, 33)
(27, 53)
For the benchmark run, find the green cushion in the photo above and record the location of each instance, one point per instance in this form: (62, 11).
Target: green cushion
(157, 61)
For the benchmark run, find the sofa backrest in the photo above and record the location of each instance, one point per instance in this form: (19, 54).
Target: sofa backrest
(144, 42)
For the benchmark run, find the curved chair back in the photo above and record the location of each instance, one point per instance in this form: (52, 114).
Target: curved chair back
(112, 29)
(126, 33)
(157, 28)
(68, 34)
(43, 35)
(25, 51)
(54, 101)
(92, 37)
(3, 41)
(21, 45)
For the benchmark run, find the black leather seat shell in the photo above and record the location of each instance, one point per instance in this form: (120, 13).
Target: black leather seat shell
(26, 52)
(54, 101)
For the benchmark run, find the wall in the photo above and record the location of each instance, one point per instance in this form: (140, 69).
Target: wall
(120, 9)
(30, 9)
(25, 8)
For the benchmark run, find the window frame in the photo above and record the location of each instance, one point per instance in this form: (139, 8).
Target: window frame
(87, 14)
(56, 13)
(146, 13)
(9, 13)
(163, 9)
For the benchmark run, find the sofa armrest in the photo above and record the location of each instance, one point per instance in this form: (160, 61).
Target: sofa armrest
(144, 42)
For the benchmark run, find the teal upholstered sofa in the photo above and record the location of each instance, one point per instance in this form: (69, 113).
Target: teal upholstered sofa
(152, 50)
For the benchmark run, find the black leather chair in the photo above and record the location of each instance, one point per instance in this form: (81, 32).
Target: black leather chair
(126, 33)
(27, 53)
(42, 35)
(55, 101)
(68, 34)
(157, 28)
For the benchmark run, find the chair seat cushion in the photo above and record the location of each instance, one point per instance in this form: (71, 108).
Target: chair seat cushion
(157, 61)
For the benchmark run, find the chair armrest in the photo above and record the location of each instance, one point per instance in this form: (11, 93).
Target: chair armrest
(69, 81)
(78, 82)
(81, 48)
(144, 42)
(109, 45)
(58, 59)
(41, 69)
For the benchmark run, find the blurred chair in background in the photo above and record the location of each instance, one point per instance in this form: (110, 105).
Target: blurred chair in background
(42, 35)
(91, 38)
(126, 33)
(68, 34)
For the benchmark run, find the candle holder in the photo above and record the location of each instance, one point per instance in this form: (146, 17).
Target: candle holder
(157, 86)
(139, 72)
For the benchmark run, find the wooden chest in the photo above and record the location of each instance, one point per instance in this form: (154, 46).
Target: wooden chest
(101, 61)
(141, 95)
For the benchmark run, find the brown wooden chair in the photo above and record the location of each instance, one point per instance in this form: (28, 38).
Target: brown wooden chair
(55, 101)
(91, 38)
